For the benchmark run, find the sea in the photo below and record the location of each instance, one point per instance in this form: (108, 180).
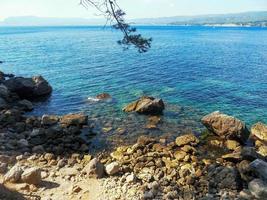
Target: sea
(195, 70)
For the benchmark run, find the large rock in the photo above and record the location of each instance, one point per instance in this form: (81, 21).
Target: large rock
(226, 126)
(31, 176)
(94, 169)
(259, 167)
(4, 92)
(258, 189)
(112, 168)
(29, 88)
(74, 119)
(186, 139)
(25, 105)
(259, 131)
(13, 175)
(3, 103)
(146, 105)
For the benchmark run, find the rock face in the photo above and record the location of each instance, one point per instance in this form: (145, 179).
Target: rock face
(94, 169)
(259, 131)
(31, 176)
(186, 139)
(29, 88)
(146, 105)
(112, 168)
(74, 119)
(13, 175)
(225, 126)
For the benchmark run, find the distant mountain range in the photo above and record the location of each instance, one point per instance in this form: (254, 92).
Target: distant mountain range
(237, 19)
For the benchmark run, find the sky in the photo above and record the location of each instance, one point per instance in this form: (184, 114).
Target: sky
(133, 8)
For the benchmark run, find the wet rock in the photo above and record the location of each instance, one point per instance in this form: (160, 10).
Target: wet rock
(28, 88)
(31, 176)
(190, 139)
(94, 169)
(259, 131)
(226, 126)
(25, 105)
(146, 105)
(112, 168)
(259, 167)
(74, 119)
(13, 175)
(48, 120)
(258, 189)
(103, 96)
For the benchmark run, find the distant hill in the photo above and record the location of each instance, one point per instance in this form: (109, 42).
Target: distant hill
(237, 19)
(247, 18)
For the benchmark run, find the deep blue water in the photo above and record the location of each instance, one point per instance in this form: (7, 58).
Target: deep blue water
(196, 70)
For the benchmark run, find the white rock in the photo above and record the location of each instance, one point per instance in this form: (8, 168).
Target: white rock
(112, 168)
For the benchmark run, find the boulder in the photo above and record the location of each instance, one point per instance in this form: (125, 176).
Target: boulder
(31, 176)
(190, 139)
(13, 175)
(259, 131)
(74, 119)
(25, 105)
(258, 189)
(29, 88)
(94, 169)
(112, 168)
(146, 105)
(226, 126)
(259, 167)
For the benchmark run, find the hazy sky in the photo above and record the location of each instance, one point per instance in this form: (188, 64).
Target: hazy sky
(134, 8)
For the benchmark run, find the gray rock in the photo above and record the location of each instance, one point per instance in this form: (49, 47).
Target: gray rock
(31, 176)
(112, 168)
(13, 175)
(94, 169)
(258, 189)
(4, 92)
(25, 105)
(146, 105)
(259, 167)
(226, 126)
(27, 88)
(3, 103)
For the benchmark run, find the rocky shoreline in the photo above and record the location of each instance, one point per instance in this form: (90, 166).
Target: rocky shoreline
(46, 157)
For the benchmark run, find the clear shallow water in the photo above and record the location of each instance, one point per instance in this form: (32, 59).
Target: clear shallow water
(196, 70)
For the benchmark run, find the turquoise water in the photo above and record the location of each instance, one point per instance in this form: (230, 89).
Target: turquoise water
(196, 70)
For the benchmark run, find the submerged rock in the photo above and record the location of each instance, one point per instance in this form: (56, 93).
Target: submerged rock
(226, 126)
(103, 96)
(29, 88)
(74, 119)
(146, 105)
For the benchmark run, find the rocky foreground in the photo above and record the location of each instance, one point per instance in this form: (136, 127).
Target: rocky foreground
(46, 157)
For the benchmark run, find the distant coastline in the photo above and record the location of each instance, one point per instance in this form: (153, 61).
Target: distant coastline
(246, 19)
